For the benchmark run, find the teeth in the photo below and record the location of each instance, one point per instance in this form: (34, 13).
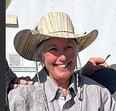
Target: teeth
(62, 65)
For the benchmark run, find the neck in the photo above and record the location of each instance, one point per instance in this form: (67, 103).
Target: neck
(64, 92)
(62, 84)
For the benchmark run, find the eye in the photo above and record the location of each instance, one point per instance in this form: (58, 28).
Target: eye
(53, 49)
(69, 47)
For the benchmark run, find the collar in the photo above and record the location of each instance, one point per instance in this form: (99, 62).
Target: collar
(73, 83)
(51, 88)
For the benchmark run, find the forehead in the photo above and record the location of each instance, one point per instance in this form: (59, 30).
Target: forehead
(60, 41)
(57, 42)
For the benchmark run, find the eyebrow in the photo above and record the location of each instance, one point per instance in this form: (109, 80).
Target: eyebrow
(56, 45)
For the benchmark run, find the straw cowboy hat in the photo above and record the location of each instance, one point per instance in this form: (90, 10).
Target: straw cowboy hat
(52, 25)
(7, 3)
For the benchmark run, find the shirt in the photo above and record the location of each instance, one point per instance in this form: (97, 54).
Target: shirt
(84, 95)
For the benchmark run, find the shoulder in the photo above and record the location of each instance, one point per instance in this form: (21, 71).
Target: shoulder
(22, 91)
(26, 91)
(26, 96)
(92, 88)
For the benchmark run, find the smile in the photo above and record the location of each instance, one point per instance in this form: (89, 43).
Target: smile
(63, 65)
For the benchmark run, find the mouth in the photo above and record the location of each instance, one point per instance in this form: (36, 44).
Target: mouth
(63, 65)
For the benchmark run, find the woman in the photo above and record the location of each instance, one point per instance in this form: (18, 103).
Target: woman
(59, 87)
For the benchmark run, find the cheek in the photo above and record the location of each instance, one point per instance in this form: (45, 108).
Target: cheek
(49, 58)
(73, 55)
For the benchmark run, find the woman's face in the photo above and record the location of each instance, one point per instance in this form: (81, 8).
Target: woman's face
(60, 57)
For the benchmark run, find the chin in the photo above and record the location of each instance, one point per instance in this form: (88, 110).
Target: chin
(64, 74)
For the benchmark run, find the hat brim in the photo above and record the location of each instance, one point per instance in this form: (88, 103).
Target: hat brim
(26, 41)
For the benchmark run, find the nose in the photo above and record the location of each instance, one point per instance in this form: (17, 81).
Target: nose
(62, 57)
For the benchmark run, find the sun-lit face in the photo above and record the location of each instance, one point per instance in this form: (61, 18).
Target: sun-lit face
(60, 55)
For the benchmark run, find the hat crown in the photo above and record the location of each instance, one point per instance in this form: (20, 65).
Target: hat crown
(54, 22)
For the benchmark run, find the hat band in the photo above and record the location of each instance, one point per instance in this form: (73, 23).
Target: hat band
(62, 32)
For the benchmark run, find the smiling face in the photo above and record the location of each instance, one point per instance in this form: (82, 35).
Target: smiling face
(60, 57)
